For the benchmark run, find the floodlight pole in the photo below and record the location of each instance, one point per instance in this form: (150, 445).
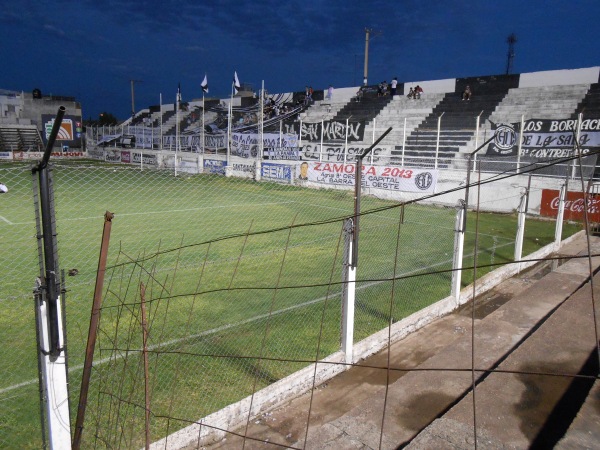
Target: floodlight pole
(366, 71)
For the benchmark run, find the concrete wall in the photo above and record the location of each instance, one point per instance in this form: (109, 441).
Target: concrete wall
(432, 86)
(560, 77)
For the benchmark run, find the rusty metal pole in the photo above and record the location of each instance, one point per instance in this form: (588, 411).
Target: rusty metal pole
(93, 331)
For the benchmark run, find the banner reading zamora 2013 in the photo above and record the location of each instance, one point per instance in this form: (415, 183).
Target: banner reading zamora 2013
(544, 138)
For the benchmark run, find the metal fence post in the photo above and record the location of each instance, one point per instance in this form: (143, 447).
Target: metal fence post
(559, 216)
(403, 141)
(348, 293)
(459, 242)
(521, 210)
(437, 140)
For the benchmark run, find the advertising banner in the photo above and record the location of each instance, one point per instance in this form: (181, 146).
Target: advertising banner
(574, 205)
(379, 177)
(276, 172)
(69, 133)
(215, 166)
(544, 138)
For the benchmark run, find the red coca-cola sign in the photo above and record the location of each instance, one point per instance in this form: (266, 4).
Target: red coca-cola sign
(574, 205)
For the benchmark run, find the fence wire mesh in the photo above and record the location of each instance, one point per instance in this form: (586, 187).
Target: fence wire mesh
(242, 282)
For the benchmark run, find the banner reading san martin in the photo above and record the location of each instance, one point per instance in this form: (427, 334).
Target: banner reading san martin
(545, 138)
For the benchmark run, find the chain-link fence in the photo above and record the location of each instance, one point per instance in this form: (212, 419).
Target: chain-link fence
(242, 282)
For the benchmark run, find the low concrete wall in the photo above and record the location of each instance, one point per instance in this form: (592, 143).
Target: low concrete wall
(210, 428)
(560, 77)
(432, 86)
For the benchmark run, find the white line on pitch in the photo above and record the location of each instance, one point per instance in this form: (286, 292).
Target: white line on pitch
(6, 220)
(202, 208)
(228, 326)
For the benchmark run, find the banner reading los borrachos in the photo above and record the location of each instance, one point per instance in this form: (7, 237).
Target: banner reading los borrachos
(544, 138)
(379, 177)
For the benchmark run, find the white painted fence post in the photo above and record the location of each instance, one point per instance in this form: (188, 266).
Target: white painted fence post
(437, 141)
(459, 242)
(560, 216)
(348, 293)
(54, 375)
(520, 229)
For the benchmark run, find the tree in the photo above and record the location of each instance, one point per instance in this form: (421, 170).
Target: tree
(107, 119)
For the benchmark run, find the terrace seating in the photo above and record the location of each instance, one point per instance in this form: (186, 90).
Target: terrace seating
(545, 102)
(21, 138)
(590, 105)
(457, 127)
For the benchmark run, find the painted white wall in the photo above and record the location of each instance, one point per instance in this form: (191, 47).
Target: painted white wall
(432, 86)
(341, 94)
(560, 77)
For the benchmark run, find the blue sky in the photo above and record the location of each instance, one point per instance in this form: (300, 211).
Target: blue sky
(92, 49)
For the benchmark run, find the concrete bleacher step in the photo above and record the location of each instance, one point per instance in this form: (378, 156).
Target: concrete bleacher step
(589, 107)
(546, 102)
(20, 138)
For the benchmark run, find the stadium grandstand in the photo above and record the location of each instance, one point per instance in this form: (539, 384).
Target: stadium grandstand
(436, 130)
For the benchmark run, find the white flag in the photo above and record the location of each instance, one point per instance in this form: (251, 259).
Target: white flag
(236, 82)
(179, 92)
(204, 85)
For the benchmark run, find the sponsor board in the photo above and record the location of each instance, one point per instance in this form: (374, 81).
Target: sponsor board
(69, 132)
(243, 168)
(574, 205)
(143, 158)
(96, 153)
(53, 155)
(378, 177)
(6, 155)
(276, 172)
(188, 166)
(215, 166)
(126, 157)
(113, 156)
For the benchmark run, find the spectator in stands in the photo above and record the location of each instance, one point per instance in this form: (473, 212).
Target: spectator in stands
(359, 94)
(330, 93)
(380, 89)
(418, 91)
(466, 95)
(394, 85)
(411, 93)
(306, 95)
